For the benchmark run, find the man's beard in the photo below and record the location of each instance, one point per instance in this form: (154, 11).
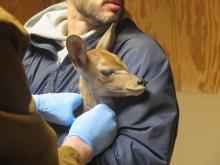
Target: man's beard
(93, 16)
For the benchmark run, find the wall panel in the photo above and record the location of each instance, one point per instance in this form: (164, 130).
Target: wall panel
(189, 31)
(24, 9)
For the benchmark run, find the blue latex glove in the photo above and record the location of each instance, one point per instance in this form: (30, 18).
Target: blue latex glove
(58, 108)
(97, 128)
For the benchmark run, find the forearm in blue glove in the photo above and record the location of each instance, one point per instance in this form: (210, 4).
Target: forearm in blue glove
(58, 108)
(97, 128)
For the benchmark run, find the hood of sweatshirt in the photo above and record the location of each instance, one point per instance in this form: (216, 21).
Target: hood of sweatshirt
(51, 23)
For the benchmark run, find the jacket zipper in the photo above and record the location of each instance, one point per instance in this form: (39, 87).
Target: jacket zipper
(56, 72)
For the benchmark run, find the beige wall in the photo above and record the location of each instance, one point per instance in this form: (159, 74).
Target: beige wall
(198, 141)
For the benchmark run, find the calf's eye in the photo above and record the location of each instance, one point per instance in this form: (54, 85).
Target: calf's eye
(107, 73)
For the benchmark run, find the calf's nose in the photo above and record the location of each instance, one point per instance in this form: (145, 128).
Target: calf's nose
(141, 82)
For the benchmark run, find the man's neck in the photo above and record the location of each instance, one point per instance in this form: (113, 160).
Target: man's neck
(78, 27)
(77, 24)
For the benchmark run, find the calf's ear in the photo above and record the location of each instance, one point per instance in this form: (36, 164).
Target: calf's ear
(108, 39)
(77, 50)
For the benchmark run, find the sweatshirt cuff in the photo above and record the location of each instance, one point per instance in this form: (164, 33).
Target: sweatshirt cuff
(68, 155)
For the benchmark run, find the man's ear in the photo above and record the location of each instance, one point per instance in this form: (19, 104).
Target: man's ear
(77, 50)
(108, 39)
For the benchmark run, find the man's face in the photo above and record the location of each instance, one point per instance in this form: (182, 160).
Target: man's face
(100, 11)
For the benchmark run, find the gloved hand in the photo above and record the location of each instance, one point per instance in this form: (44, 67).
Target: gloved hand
(97, 128)
(58, 108)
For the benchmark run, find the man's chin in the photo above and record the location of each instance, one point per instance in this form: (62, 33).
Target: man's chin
(108, 18)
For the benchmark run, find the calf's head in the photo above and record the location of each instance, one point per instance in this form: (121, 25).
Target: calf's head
(102, 71)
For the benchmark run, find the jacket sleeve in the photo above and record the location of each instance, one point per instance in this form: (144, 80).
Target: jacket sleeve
(147, 124)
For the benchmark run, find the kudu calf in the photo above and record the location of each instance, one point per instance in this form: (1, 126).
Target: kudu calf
(102, 74)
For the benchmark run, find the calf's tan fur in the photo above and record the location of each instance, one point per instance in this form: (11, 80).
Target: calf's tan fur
(102, 74)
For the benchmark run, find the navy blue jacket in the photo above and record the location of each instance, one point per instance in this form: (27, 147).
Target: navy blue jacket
(147, 124)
